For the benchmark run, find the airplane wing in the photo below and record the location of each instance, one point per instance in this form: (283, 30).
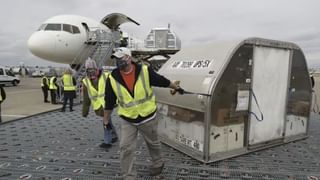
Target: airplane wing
(114, 20)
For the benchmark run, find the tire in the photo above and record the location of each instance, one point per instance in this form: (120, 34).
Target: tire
(14, 82)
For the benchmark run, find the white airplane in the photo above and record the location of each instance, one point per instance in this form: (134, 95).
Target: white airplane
(60, 38)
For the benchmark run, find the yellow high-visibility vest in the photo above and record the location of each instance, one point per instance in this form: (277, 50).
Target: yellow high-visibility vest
(96, 96)
(44, 77)
(0, 95)
(52, 85)
(142, 104)
(67, 83)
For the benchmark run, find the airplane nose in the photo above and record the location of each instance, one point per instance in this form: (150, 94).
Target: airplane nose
(41, 45)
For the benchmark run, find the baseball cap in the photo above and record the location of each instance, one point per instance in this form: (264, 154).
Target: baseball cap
(120, 52)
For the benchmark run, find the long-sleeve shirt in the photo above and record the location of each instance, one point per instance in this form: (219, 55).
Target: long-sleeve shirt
(111, 98)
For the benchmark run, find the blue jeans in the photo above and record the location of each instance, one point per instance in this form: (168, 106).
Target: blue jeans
(109, 134)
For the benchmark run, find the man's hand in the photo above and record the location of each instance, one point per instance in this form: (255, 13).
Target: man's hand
(176, 88)
(107, 126)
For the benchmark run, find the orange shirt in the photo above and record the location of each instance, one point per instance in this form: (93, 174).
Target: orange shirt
(129, 78)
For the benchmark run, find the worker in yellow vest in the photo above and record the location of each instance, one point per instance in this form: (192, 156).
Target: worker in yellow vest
(93, 95)
(69, 89)
(53, 86)
(45, 88)
(2, 98)
(130, 86)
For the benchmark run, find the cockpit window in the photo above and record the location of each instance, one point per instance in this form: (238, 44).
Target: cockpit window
(53, 27)
(75, 30)
(42, 27)
(67, 27)
(58, 27)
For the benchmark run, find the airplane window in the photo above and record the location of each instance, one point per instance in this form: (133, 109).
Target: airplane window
(75, 30)
(67, 27)
(53, 27)
(1, 71)
(42, 27)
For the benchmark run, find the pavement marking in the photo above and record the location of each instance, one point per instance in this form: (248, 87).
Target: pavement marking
(13, 115)
(22, 91)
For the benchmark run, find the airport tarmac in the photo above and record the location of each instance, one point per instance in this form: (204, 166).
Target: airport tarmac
(25, 99)
(57, 145)
(63, 145)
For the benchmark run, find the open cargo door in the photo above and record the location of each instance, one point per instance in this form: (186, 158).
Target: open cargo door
(114, 20)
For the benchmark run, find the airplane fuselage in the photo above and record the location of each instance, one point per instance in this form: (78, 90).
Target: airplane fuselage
(61, 38)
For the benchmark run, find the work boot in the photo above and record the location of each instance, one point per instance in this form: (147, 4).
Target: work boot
(62, 110)
(71, 110)
(156, 171)
(115, 139)
(104, 145)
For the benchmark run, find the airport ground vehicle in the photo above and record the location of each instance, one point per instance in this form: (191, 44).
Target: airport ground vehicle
(7, 76)
(37, 73)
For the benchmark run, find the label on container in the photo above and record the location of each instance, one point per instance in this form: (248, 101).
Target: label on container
(191, 64)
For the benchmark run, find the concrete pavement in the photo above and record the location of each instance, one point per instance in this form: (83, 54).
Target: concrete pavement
(24, 100)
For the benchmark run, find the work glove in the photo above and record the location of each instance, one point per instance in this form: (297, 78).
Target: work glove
(180, 90)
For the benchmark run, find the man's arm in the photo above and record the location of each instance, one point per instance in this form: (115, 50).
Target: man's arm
(86, 101)
(46, 84)
(74, 82)
(55, 82)
(161, 81)
(44, 81)
(157, 79)
(110, 101)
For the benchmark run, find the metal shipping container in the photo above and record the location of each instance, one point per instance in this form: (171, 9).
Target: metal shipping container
(247, 95)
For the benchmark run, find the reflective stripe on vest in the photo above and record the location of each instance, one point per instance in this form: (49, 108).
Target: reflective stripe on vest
(52, 85)
(96, 96)
(142, 104)
(42, 80)
(67, 83)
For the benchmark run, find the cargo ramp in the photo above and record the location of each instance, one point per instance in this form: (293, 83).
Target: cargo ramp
(56, 145)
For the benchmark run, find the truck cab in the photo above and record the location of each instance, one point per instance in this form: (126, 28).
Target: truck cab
(8, 77)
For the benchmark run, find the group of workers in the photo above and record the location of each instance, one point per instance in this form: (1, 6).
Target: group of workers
(68, 85)
(129, 88)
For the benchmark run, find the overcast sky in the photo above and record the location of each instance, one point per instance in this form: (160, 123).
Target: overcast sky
(195, 21)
